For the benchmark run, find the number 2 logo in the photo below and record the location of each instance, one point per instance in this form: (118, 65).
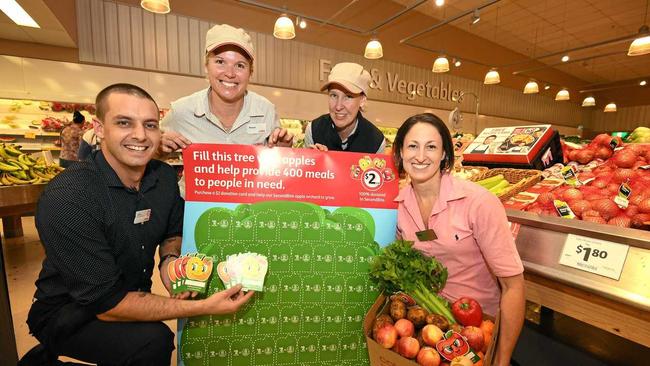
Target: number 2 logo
(372, 179)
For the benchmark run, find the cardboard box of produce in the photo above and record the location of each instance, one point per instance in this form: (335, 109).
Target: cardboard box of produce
(380, 356)
(522, 147)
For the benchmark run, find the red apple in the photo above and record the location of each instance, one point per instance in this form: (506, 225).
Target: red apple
(387, 335)
(431, 334)
(461, 361)
(408, 347)
(405, 328)
(474, 336)
(428, 357)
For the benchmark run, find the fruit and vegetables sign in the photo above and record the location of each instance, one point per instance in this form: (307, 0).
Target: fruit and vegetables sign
(318, 219)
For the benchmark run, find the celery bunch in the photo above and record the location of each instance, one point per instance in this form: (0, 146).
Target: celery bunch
(399, 267)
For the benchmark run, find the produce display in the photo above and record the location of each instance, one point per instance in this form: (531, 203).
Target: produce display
(606, 182)
(418, 323)
(496, 184)
(19, 168)
(639, 135)
(53, 124)
(467, 173)
(389, 133)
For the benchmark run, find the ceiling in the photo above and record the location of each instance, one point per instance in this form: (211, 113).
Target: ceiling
(542, 30)
(513, 35)
(52, 30)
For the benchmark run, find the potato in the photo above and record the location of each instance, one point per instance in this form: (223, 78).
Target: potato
(418, 336)
(438, 320)
(397, 310)
(379, 322)
(456, 327)
(417, 316)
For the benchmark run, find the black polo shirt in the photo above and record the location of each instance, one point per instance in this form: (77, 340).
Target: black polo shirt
(366, 137)
(95, 253)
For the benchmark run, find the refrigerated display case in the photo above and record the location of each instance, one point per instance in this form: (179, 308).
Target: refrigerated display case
(619, 304)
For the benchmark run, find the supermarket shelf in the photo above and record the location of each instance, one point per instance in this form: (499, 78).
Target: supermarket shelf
(24, 131)
(620, 306)
(37, 147)
(540, 242)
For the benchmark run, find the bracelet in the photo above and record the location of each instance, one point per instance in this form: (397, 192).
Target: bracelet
(165, 257)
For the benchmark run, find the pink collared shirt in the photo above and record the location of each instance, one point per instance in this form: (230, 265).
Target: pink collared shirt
(474, 240)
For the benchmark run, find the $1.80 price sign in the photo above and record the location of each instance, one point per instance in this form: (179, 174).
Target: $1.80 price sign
(593, 255)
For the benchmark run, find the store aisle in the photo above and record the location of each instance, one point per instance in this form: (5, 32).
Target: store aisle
(24, 257)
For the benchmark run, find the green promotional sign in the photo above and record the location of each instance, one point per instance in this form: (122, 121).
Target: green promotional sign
(317, 289)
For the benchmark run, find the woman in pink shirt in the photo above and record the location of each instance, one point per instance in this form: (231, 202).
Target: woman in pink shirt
(460, 223)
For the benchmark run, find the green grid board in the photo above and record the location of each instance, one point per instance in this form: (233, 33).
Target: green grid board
(316, 291)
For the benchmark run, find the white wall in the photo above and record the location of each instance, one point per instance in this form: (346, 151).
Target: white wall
(25, 78)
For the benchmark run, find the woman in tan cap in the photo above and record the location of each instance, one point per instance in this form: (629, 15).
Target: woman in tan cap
(344, 128)
(225, 112)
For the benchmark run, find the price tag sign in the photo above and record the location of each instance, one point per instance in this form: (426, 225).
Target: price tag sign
(593, 255)
(30, 135)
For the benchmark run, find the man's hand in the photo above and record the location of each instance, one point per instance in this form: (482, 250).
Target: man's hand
(226, 301)
(280, 137)
(319, 147)
(164, 277)
(172, 141)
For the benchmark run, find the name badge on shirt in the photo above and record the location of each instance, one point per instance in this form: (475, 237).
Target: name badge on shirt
(256, 128)
(426, 235)
(142, 216)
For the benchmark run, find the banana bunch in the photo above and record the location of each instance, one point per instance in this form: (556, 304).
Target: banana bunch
(18, 168)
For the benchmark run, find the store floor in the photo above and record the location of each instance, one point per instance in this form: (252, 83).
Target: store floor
(559, 340)
(24, 257)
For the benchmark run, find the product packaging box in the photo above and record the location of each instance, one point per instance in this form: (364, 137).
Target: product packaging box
(380, 356)
(521, 147)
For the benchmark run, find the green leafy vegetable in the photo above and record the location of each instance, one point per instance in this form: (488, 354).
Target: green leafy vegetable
(399, 267)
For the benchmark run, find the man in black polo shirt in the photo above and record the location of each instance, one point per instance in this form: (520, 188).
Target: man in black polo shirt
(344, 128)
(100, 222)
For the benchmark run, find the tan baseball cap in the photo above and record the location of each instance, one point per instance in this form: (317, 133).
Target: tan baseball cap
(350, 76)
(224, 34)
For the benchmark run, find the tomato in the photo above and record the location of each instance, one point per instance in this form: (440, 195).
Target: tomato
(467, 311)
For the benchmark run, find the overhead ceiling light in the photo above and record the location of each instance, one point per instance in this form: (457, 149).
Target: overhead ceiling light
(531, 87)
(457, 63)
(641, 45)
(441, 64)
(373, 50)
(492, 77)
(562, 95)
(283, 28)
(611, 107)
(547, 87)
(565, 58)
(440, 2)
(16, 13)
(156, 6)
(476, 17)
(642, 83)
(301, 22)
(589, 102)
